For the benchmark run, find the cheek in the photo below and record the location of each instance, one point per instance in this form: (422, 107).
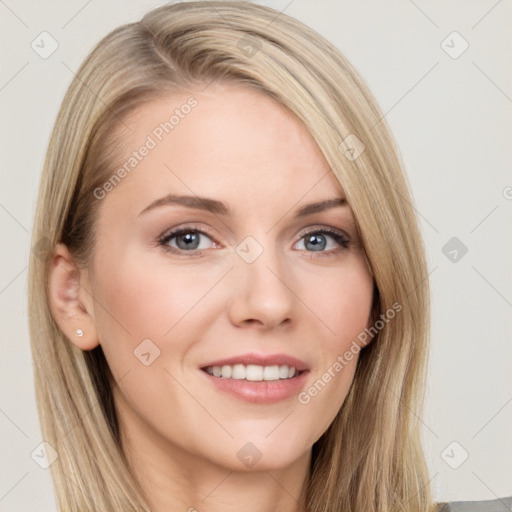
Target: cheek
(147, 301)
(342, 308)
(136, 302)
(341, 301)
(150, 316)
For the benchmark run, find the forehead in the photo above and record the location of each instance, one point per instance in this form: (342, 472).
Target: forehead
(229, 141)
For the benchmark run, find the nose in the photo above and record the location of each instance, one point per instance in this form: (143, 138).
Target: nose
(262, 292)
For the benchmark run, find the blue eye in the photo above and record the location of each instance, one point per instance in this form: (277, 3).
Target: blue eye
(319, 241)
(188, 239)
(185, 239)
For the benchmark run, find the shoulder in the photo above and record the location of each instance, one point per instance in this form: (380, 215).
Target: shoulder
(497, 505)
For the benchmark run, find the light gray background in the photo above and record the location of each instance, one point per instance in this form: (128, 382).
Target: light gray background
(452, 120)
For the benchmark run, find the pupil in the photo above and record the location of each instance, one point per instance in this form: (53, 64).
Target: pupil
(318, 242)
(191, 241)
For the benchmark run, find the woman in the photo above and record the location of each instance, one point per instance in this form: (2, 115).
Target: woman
(230, 310)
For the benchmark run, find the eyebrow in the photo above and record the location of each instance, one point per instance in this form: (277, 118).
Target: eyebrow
(220, 208)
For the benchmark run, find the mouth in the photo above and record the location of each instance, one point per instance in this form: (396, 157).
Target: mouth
(258, 378)
(253, 372)
(256, 367)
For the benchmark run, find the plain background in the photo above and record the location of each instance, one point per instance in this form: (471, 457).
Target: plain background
(452, 121)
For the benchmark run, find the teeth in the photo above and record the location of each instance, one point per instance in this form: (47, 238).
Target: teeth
(238, 371)
(273, 373)
(252, 372)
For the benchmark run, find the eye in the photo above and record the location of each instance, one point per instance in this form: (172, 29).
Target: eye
(186, 240)
(323, 240)
(192, 240)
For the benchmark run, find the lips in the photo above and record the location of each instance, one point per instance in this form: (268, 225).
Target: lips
(254, 390)
(260, 360)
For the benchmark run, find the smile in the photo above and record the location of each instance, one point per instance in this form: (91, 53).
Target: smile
(252, 372)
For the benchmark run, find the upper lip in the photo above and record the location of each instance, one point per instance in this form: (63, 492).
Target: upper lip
(261, 360)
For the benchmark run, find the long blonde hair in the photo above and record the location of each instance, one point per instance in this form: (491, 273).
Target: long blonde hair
(370, 458)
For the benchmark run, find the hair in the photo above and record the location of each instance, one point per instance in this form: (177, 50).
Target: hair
(370, 458)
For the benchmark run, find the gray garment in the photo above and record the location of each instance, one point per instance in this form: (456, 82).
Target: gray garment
(497, 505)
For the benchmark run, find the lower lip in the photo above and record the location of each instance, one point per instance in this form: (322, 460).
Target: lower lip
(262, 392)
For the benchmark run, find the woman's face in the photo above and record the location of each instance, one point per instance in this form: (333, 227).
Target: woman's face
(252, 271)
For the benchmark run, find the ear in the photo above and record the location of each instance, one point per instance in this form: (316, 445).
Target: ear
(71, 302)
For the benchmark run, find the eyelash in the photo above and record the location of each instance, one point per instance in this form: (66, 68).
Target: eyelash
(338, 236)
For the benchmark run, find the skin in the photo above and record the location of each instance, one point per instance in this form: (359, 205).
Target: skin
(181, 434)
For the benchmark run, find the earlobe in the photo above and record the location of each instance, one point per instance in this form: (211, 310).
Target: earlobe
(70, 301)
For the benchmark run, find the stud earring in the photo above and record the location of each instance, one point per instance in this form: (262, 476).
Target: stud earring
(79, 332)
